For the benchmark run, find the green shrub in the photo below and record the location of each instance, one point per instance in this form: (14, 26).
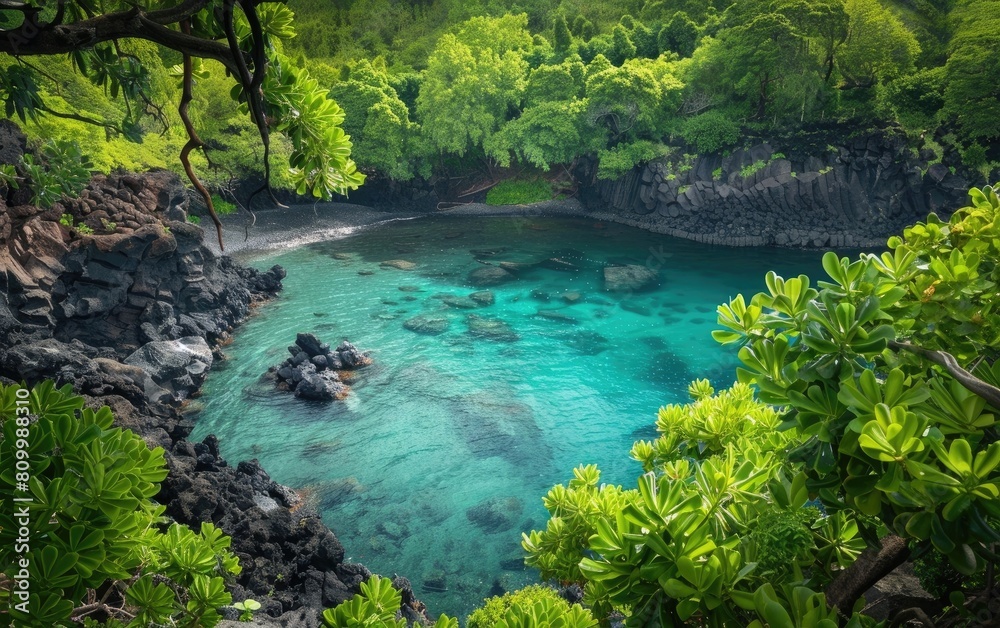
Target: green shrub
(496, 608)
(710, 132)
(92, 525)
(749, 170)
(60, 170)
(194, 219)
(222, 206)
(376, 605)
(617, 161)
(519, 192)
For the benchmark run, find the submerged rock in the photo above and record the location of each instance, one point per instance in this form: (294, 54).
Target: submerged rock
(399, 264)
(491, 329)
(462, 303)
(629, 277)
(429, 325)
(313, 370)
(490, 276)
(496, 514)
(483, 297)
(571, 297)
(556, 315)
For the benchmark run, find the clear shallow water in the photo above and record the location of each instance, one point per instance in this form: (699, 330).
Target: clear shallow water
(441, 423)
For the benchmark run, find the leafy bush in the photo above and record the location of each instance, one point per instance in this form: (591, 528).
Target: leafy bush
(222, 206)
(617, 161)
(537, 598)
(749, 170)
(92, 523)
(710, 132)
(864, 408)
(376, 605)
(519, 192)
(60, 170)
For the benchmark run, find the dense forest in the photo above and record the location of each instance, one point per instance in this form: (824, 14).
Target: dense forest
(507, 88)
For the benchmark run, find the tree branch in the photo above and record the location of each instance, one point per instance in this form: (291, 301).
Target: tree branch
(193, 140)
(946, 360)
(870, 567)
(130, 24)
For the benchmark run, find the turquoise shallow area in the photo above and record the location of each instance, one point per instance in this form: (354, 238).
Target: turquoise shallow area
(441, 423)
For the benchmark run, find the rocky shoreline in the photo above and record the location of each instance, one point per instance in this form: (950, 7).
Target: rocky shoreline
(126, 303)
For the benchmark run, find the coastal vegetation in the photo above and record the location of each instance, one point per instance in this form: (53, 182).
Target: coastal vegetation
(488, 89)
(860, 432)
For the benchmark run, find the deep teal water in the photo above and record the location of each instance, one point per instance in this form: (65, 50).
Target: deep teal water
(440, 423)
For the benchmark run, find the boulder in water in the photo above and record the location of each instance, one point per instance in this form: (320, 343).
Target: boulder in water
(628, 278)
(399, 264)
(491, 329)
(429, 325)
(313, 370)
(496, 514)
(483, 297)
(462, 303)
(490, 276)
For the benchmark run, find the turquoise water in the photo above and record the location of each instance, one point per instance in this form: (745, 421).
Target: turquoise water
(441, 423)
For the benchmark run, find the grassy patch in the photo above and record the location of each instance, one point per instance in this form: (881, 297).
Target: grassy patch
(519, 192)
(222, 206)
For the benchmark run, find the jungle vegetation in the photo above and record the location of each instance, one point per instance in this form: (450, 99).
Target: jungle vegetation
(438, 86)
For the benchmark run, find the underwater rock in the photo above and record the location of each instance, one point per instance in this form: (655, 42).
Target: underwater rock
(393, 530)
(556, 315)
(487, 252)
(587, 342)
(540, 295)
(463, 303)
(343, 257)
(492, 425)
(496, 514)
(399, 264)
(636, 308)
(571, 297)
(515, 267)
(366, 273)
(483, 297)
(429, 325)
(628, 278)
(312, 371)
(491, 329)
(489, 276)
(557, 263)
(410, 289)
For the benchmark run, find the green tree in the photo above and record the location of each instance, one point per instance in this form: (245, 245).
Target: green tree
(679, 35)
(552, 132)
(971, 77)
(241, 35)
(377, 121)
(878, 47)
(563, 37)
(472, 79)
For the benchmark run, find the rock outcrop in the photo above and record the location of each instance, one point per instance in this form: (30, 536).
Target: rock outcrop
(848, 193)
(313, 370)
(132, 316)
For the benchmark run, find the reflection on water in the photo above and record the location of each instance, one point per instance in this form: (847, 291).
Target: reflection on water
(477, 404)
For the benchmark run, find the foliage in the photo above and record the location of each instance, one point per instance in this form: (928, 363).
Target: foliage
(246, 608)
(222, 206)
(59, 170)
(535, 605)
(376, 605)
(472, 78)
(519, 192)
(92, 523)
(617, 161)
(276, 95)
(852, 417)
(878, 46)
(710, 132)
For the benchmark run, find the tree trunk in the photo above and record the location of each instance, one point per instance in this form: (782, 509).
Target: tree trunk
(865, 572)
